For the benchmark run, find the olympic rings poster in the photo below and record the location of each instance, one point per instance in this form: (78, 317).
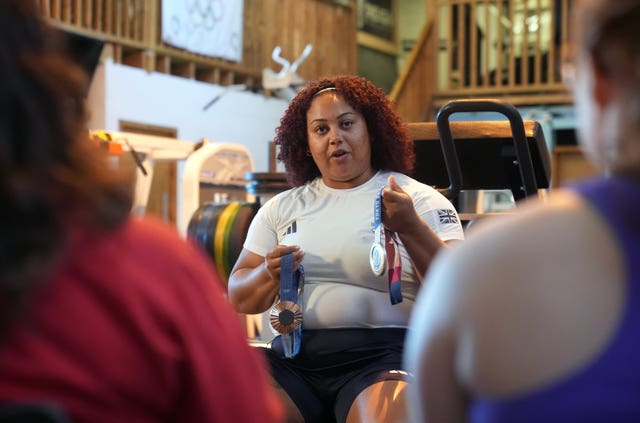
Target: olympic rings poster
(209, 27)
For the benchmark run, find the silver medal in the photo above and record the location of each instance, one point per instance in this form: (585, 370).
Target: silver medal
(377, 253)
(377, 259)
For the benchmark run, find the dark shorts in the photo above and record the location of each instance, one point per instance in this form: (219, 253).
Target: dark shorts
(334, 366)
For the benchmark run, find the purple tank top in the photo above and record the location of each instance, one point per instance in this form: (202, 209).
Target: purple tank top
(607, 389)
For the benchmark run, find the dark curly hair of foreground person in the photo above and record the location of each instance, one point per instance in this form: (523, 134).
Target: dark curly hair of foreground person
(51, 176)
(391, 146)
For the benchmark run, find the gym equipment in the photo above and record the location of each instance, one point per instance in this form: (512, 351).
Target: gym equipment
(484, 155)
(214, 168)
(201, 166)
(263, 185)
(221, 227)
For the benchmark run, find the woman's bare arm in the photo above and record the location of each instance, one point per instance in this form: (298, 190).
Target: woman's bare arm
(254, 282)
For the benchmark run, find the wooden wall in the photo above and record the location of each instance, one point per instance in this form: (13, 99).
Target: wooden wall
(291, 24)
(132, 31)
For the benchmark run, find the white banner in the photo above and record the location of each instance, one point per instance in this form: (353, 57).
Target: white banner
(209, 27)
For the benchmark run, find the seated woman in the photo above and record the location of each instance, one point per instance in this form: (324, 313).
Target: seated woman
(347, 154)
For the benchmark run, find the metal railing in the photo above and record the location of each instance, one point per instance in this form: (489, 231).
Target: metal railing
(122, 20)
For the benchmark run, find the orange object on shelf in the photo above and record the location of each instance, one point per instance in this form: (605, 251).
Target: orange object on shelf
(114, 148)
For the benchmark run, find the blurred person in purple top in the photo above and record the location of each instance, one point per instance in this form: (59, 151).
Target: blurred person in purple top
(536, 318)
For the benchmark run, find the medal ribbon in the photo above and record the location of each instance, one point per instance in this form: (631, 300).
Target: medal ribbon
(289, 282)
(395, 270)
(392, 248)
(377, 214)
(377, 253)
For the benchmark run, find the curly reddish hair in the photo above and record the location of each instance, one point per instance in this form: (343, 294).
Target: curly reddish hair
(391, 146)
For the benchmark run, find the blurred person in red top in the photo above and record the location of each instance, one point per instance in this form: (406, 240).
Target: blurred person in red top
(113, 319)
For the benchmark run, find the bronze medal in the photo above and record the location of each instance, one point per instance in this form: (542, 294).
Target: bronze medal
(285, 317)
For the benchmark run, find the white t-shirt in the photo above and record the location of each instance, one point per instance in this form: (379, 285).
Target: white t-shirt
(334, 227)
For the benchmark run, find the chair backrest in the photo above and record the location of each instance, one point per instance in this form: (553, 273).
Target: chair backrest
(32, 413)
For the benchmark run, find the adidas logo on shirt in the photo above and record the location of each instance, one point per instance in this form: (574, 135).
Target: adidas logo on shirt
(291, 229)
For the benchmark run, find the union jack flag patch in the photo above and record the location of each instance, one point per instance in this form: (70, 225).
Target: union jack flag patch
(447, 216)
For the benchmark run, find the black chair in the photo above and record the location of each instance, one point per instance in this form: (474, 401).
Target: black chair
(32, 413)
